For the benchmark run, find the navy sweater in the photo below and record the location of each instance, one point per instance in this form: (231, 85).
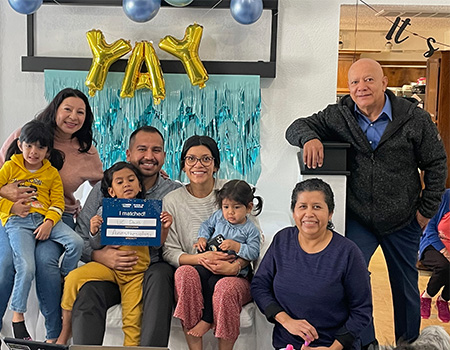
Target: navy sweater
(330, 289)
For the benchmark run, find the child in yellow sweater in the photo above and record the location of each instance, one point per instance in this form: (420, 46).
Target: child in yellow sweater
(122, 180)
(28, 222)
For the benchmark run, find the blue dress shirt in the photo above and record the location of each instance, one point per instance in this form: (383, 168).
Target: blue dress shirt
(374, 130)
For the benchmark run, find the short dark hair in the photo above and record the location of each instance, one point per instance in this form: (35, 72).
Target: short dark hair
(108, 178)
(144, 128)
(311, 185)
(84, 135)
(241, 192)
(206, 141)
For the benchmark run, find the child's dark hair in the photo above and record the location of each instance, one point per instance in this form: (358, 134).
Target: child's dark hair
(108, 178)
(37, 131)
(241, 192)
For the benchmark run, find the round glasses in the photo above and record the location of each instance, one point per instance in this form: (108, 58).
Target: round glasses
(205, 160)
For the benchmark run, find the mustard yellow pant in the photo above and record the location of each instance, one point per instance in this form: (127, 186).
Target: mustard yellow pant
(130, 285)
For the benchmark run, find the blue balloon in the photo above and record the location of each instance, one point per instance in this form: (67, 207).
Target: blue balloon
(25, 7)
(246, 11)
(141, 10)
(179, 3)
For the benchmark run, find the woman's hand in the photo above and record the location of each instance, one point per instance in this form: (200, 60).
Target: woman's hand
(21, 208)
(96, 222)
(43, 231)
(112, 257)
(219, 263)
(301, 328)
(16, 191)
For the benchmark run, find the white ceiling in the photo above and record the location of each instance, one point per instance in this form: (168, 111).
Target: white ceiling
(377, 18)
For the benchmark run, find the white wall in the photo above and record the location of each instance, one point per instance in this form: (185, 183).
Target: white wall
(306, 81)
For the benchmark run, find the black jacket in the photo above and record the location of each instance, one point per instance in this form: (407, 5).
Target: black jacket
(384, 189)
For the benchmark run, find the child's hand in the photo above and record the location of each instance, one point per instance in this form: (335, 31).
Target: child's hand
(229, 244)
(21, 208)
(201, 244)
(166, 220)
(96, 222)
(43, 231)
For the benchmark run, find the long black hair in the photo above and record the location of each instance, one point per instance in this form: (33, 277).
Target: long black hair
(241, 192)
(108, 178)
(37, 131)
(84, 135)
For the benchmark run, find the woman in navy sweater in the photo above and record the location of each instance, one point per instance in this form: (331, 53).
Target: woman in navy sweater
(312, 282)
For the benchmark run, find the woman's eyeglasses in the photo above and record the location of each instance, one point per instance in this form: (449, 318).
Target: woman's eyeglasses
(205, 160)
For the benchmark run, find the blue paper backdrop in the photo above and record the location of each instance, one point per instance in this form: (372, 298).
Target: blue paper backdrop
(228, 109)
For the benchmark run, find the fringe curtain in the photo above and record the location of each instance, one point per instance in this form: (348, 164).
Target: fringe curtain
(228, 109)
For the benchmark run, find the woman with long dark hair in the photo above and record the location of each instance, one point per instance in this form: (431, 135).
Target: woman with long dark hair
(69, 117)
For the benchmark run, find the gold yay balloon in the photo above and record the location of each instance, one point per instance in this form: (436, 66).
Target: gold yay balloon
(104, 55)
(187, 51)
(135, 80)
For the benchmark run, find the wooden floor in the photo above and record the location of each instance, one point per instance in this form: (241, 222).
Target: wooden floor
(382, 300)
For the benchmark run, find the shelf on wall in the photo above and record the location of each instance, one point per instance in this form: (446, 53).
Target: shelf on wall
(265, 69)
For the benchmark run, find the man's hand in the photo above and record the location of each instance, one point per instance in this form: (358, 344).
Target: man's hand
(422, 220)
(15, 192)
(21, 208)
(43, 231)
(313, 153)
(112, 257)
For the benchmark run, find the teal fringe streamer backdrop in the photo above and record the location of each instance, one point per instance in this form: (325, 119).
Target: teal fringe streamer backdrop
(228, 109)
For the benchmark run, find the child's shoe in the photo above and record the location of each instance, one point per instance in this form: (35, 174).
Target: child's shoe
(425, 307)
(20, 331)
(443, 311)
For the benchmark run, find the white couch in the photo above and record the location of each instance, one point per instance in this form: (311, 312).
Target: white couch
(256, 332)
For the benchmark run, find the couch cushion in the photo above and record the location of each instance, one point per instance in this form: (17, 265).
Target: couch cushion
(114, 316)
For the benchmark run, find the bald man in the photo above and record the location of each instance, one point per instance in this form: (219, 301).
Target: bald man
(391, 138)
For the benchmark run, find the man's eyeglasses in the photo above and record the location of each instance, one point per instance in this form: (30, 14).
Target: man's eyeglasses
(205, 160)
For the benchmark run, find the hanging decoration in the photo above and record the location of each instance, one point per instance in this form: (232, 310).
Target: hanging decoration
(229, 111)
(246, 11)
(104, 55)
(186, 50)
(25, 7)
(135, 80)
(141, 10)
(398, 39)
(179, 3)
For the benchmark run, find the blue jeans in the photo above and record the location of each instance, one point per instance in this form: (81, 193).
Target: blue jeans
(48, 274)
(400, 251)
(48, 278)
